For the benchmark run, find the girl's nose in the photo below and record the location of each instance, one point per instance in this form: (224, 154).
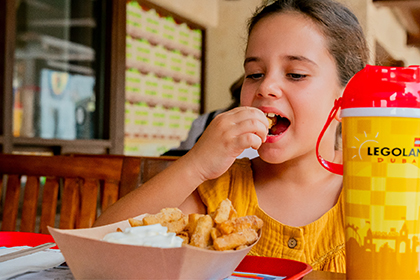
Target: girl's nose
(269, 88)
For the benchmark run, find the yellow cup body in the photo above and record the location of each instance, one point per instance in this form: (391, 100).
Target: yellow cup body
(382, 197)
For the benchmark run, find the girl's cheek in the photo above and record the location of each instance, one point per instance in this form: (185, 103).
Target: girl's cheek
(246, 97)
(245, 102)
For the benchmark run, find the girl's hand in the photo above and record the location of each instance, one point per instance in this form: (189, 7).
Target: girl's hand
(227, 136)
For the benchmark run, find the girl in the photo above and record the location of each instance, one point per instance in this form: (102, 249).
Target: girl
(299, 57)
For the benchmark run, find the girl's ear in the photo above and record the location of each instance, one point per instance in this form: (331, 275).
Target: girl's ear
(338, 115)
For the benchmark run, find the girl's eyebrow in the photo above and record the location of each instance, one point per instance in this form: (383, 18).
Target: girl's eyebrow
(300, 58)
(287, 57)
(250, 59)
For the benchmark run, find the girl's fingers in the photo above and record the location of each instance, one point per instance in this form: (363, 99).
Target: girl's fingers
(227, 136)
(251, 126)
(248, 140)
(245, 123)
(248, 112)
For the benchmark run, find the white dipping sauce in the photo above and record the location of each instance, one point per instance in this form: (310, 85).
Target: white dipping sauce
(152, 235)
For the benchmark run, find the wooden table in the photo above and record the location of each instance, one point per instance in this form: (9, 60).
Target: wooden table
(325, 275)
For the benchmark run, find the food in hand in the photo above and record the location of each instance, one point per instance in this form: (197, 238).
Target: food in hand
(272, 120)
(221, 230)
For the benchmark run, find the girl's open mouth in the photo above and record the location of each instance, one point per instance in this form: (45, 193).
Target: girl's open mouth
(278, 124)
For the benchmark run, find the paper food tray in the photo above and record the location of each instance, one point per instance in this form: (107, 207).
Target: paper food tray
(91, 258)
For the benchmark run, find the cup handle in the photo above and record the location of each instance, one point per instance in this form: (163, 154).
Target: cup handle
(330, 166)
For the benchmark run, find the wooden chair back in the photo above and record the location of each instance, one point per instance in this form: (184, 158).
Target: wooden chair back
(150, 166)
(147, 167)
(75, 188)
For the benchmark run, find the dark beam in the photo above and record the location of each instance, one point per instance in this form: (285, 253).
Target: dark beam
(7, 53)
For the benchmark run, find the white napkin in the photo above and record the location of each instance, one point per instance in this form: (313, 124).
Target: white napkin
(34, 262)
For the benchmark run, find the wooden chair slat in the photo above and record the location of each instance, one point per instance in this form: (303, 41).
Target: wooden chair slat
(130, 178)
(88, 203)
(109, 194)
(152, 166)
(30, 204)
(70, 205)
(49, 204)
(10, 210)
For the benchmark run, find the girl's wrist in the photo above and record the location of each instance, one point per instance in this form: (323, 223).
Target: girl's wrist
(190, 164)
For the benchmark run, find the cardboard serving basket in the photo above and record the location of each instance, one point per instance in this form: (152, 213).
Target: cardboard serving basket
(89, 257)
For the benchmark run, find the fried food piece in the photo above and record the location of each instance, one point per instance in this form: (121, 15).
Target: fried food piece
(233, 240)
(165, 215)
(119, 230)
(201, 235)
(215, 233)
(178, 225)
(240, 224)
(135, 223)
(192, 223)
(271, 121)
(184, 235)
(221, 230)
(240, 247)
(224, 211)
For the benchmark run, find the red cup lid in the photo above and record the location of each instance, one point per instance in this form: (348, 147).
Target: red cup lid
(383, 87)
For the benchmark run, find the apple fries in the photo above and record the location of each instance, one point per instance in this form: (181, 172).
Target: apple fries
(221, 230)
(172, 218)
(272, 120)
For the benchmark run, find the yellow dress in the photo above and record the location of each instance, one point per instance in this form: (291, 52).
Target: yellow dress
(320, 244)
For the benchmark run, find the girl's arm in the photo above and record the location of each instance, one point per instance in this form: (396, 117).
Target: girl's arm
(169, 188)
(225, 138)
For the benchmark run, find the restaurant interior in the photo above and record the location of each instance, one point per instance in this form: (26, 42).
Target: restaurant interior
(106, 87)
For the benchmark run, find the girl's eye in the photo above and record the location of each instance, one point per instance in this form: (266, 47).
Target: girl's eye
(255, 76)
(296, 77)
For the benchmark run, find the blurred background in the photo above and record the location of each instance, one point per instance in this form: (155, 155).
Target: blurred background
(130, 77)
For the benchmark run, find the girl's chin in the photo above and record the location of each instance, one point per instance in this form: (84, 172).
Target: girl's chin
(270, 154)
(270, 159)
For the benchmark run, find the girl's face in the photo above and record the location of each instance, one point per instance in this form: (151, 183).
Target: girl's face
(289, 72)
